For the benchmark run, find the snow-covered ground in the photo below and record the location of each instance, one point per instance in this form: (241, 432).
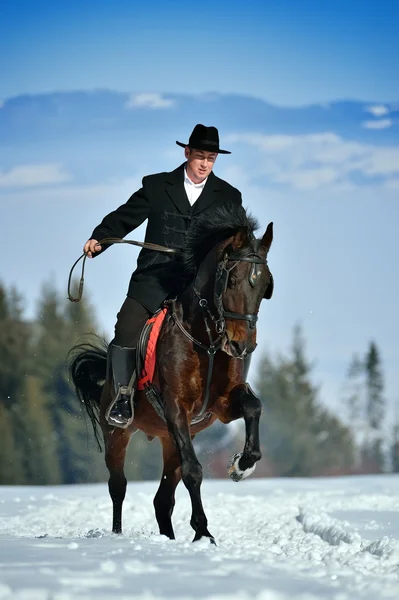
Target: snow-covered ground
(279, 539)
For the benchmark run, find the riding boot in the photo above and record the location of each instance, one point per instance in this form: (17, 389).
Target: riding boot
(123, 364)
(247, 361)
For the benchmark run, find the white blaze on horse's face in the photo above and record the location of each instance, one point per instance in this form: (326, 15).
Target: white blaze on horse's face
(199, 163)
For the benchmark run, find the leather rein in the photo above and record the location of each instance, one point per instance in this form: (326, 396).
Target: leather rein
(110, 240)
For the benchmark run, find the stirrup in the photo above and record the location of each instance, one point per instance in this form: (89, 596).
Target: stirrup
(123, 399)
(120, 412)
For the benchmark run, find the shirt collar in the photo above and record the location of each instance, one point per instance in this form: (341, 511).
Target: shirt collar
(188, 180)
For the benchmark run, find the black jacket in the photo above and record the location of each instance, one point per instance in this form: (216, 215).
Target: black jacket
(163, 201)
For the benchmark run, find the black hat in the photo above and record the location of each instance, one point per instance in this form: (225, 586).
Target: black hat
(204, 138)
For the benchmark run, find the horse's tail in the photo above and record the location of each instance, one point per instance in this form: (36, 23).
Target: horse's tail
(88, 370)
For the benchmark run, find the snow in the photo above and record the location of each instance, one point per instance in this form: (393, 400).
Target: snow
(277, 539)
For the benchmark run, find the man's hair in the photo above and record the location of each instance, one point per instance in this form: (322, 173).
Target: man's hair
(190, 150)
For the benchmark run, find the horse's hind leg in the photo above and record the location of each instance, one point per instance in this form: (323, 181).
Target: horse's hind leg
(116, 443)
(164, 500)
(191, 471)
(249, 407)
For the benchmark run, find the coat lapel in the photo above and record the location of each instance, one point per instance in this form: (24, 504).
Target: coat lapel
(175, 190)
(209, 194)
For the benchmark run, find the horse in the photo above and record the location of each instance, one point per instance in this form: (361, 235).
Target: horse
(202, 354)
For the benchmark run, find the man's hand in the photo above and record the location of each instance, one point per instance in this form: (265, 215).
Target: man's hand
(91, 247)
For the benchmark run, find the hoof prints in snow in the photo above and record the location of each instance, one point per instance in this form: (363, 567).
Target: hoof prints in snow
(327, 529)
(333, 532)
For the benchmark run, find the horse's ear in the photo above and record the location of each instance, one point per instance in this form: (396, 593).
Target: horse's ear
(265, 243)
(267, 239)
(240, 240)
(270, 288)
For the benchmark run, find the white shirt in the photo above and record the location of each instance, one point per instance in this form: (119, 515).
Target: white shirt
(193, 190)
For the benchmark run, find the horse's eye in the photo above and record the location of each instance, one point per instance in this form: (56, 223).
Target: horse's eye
(232, 282)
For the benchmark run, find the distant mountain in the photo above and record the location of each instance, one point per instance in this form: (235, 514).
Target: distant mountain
(103, 114)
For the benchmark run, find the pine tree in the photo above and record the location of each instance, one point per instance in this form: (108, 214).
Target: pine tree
(15, 337)
(11, 459)
(375, 388)
(354, 403)
(61, 326)
(366, 409)
(14, 345)
(354, 389)
(45, 436)
(375, 409)
(300, 438)
(395, 443)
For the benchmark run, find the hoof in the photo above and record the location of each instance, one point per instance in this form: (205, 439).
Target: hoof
(234, 470)
(205, 537)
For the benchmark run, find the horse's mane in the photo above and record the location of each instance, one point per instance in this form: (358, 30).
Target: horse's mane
(212, 228)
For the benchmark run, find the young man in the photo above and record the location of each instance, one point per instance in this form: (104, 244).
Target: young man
(169, 201)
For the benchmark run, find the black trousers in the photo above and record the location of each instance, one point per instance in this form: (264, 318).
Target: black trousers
(130, 321)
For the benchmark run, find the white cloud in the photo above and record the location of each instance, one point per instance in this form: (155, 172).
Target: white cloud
(392, 184)
(235, 174)
(308, 179)
(149, 100)
(73, 193)
(381, 124)
(317, 160)
(34, 175)
(378, 110)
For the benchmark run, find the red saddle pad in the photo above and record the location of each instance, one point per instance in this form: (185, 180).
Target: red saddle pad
(147, 372)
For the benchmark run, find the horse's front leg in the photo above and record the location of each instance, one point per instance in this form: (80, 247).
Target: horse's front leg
(250, 408)
(191, 470)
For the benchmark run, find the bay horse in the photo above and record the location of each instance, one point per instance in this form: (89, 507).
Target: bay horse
(204, 343)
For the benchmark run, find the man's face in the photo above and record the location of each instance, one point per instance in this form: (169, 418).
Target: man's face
(199, 163)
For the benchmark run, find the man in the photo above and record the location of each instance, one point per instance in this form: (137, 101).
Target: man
(169, 201)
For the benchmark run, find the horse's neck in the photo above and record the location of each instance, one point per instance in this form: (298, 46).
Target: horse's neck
(188, 305)
(192, 315)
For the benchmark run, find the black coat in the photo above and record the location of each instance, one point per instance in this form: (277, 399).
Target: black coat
(163, 201)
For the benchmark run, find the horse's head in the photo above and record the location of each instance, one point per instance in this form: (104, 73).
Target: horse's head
(242, 280)
(231, 274)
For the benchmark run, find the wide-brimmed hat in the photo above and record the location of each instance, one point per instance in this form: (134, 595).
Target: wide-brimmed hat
(204, 138)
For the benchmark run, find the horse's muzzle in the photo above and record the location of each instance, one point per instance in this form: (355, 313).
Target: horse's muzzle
(237, 349)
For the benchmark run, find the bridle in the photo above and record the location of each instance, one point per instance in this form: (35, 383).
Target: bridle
(222, 276)
(222, 280)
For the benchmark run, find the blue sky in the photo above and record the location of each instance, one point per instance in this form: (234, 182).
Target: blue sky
(288, 52)
(327, 176)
